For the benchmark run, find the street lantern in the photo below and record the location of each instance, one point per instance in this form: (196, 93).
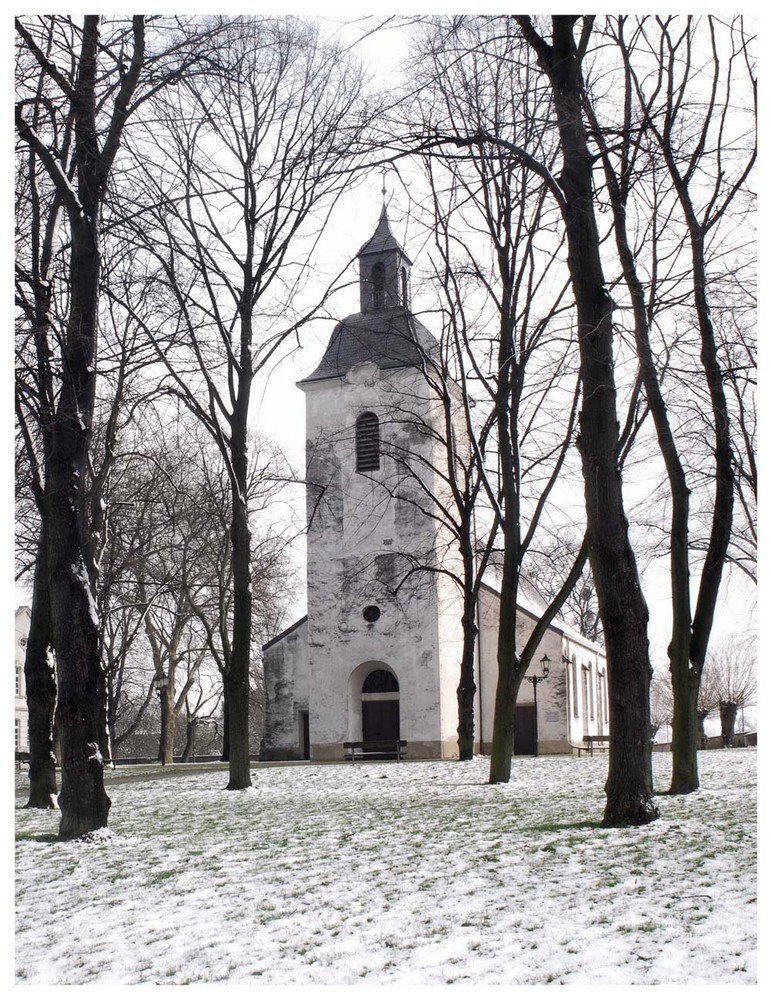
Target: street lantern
(535, 679)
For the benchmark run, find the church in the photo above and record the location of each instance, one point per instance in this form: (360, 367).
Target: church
(376, 657)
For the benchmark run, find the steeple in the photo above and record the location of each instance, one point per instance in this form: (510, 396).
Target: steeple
(384, 270)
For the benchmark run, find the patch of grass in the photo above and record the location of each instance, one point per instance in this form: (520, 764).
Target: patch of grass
(157, 878)
(40, 838)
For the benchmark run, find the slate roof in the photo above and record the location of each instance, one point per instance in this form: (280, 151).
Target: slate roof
(389, 338)
(383, 239)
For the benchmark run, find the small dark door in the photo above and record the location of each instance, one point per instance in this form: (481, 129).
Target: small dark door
(525, 730)
(380, 720)
(305, 740)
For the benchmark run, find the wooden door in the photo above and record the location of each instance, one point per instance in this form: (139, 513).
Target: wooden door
(525, 730)
(380, 720)
(305, 738)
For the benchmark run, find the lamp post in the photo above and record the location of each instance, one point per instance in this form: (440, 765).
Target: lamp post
(161, 684)
(536, 679)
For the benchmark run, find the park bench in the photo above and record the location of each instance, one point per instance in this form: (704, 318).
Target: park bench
(22, 757)
(595, 742)
(375, 749)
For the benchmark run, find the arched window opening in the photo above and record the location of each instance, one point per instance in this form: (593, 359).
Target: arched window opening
(380, 681)
(368, 443)
(404, 287)
(378, 281)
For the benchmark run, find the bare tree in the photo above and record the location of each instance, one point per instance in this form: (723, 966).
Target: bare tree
(622, 606)
(548, 564)
(251, 159)
(663, 116)
(78, 171)
(78, 87)
(731, 680)
(166, 581)
(513, 363)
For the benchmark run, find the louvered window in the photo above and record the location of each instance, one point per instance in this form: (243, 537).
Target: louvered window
(368, 443)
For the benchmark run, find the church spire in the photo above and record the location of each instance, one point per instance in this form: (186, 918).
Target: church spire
(384, 268)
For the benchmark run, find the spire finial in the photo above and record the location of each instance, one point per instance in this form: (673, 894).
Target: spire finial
(383, 189)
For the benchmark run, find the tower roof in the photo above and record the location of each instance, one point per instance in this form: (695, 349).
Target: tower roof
(382, 239)
(388, 338)
(384, 333)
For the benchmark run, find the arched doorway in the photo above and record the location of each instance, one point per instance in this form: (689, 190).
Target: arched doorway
(380, 706)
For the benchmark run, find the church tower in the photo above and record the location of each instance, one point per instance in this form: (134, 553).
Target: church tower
(383, 631)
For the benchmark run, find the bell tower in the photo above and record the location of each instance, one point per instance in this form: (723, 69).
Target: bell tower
(384, 633)
(384, 271)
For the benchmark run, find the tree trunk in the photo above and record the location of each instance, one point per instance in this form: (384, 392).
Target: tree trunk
(226, 729)
(688, 732)
(684, 680)
(621, 603)
(168, 724)
(237, 679)
(728, 712)
(40, 681)
(702, 739)
(82, 693)
(190, 740)
(466, 686)
(502, 740)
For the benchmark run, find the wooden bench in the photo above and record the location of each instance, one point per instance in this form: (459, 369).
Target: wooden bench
(22, 757)
(376, 749)
(599, 742)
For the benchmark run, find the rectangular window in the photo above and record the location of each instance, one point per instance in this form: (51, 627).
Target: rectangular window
(591, 686)
(585, 697)
(574, 688)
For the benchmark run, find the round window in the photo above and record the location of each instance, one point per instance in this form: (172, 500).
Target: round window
(371, 613)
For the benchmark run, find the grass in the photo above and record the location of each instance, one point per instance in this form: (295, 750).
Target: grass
(422, 872)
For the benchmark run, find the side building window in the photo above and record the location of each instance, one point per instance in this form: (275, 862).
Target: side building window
(368, 443)
(574, 687)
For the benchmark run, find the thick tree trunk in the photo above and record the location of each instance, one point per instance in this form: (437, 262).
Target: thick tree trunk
(226, 729)
(80, 710)
(688, 734)
(82, 693)
(40, 680)
(728, 713)
(621, 603)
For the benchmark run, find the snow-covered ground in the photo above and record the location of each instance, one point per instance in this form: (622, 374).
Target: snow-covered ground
(414, 873)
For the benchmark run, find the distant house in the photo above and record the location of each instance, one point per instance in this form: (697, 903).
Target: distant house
(375, 659)
(21, 715)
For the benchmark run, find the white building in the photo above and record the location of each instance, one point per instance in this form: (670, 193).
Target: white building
(377, 656)
(21, 714)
